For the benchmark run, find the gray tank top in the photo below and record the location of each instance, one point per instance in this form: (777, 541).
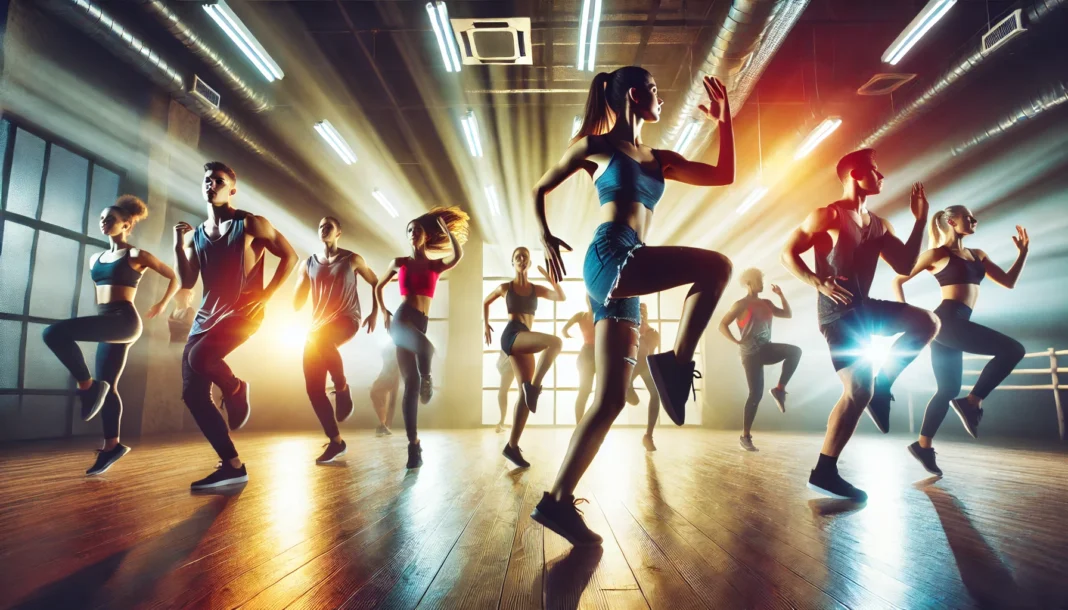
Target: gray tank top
(333, 290)
(227, 290)
(853, 260)
(755, 326)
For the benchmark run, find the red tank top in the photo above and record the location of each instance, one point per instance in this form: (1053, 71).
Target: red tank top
(419, 282)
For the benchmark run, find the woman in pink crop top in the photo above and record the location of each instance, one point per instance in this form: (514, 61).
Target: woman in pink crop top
(439, 231)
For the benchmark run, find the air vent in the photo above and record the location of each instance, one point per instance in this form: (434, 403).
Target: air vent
(884, 84)
(1005, 30)
(494, 41)
(205, 93)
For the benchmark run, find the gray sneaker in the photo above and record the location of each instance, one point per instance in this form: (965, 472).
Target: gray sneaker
(746, 442)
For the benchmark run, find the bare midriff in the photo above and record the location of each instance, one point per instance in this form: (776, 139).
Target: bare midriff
(113, 294)
(419, 302)
(527, 319)
(633, 214)
(965, 293)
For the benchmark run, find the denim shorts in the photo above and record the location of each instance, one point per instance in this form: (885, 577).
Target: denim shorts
(612, 246)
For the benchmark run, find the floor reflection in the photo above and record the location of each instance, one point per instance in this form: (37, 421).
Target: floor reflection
(566, 578)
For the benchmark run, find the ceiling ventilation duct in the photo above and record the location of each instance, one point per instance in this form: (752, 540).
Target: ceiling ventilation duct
(101, 27)
(494, 41)
(181, 30)
(750, 35)
(884, 83)
(1036, 13)
(1050, 97)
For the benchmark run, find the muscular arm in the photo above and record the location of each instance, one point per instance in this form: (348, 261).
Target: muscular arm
(679, 168)
(925, 262)
(383, 280)
(902, 256)
(801, 240)
(362, 269)
(300, 296)
(148, 261)
(260, 228)
(999, 275)
(728, 319)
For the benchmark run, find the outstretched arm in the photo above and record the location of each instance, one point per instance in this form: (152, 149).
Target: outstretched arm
(728, 319)
(148, 261)
(678, 168)
(1008, 278)
(799, 242)
(925, 262)
(261, 228)
(574, 159)
(902, 256)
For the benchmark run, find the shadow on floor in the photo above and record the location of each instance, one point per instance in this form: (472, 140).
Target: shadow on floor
(567, 577)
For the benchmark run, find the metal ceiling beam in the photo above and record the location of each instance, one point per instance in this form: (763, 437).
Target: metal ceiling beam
(647, 31)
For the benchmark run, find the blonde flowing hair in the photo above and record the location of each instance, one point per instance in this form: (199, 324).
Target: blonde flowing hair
(940, 233)
(457, 220)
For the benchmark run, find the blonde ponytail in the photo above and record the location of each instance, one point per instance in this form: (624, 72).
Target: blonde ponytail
(940, 232)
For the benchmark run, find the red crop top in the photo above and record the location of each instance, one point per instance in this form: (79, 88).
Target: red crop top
(420, 283)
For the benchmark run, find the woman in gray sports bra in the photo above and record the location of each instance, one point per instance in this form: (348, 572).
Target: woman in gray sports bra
(520, 343)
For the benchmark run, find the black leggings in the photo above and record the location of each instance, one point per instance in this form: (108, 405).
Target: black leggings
(321, 356)
(959, 335)
(115, 328)
(754, 363)
(202, 366)
(414, 353)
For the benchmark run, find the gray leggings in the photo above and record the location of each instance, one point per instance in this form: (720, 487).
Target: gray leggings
(754, 363)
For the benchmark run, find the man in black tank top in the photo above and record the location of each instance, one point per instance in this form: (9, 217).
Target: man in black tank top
(847, 242)
(219, 252)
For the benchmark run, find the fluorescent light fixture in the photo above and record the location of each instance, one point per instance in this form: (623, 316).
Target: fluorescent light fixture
(754, 196)
(914, 31)
(439, 19)
(333, 138)
(590, 26)
(576, 124)
(689, 133)
(819, 134)
(381, 199)
(232, 25)
(474, 141)
(491, 197)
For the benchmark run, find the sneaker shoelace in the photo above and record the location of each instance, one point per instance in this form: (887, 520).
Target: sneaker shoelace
(693, 386)
(576, 502)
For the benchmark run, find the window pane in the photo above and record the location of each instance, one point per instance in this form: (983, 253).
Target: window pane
(26, 167)
(498, 310)
(9, 417)
(55, 269)
(491, 378)
(64, 199)
(637, 415)
(576, 299)
(15, 267)
(10, 336)
(4, 127)
(43, 369)
(104, 191)
(491, 408)
(565, 406)
(671, 302)
(43, 417)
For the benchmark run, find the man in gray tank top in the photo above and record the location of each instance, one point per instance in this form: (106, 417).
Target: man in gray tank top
(848, 241)
(227, 253)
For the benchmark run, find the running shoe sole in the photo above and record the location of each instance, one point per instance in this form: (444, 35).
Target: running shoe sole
(676, 413)
(513, 460)
(912, 451)
(973, 432)
(556, 529)
(341, 453)
(225, 483)
(108, 465)
(885, 429)
(105, 387)
(831, 494)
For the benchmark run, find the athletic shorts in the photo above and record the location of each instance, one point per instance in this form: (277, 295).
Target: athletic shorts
(849, 336)
(511, 331)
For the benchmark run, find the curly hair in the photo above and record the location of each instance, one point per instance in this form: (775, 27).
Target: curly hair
(457, 220)
(131, 208)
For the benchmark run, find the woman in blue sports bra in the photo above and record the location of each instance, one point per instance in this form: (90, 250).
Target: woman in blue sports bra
(959, 271)
(115, 327)
(629, 177)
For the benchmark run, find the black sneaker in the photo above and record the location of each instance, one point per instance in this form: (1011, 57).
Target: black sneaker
(426, 389)
(224, 475)
(93, 398)
(969, 416)
(104, 459)
(780, 398)
(647, 442)
(879, 407)
(674, 382)
(238, 406)
(415, 455)
(530, 396)
(565, 519)
(333, 451)
(515, 455)
(342, 404)
(746, 442)
(926, 457)
(829, 483)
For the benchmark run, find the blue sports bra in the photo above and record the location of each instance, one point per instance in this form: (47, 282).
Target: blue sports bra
(625, 180)
(961, 271)
(116, 273)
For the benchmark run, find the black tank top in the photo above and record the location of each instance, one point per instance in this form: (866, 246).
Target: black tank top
(227, 290)
(116, 273)
(960, 271)
(521, 304)
(852, 260)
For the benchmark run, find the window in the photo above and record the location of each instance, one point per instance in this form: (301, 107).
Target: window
(47, 193)
(556, 406)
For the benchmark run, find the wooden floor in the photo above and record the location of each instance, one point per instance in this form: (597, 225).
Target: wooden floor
(698, 524)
